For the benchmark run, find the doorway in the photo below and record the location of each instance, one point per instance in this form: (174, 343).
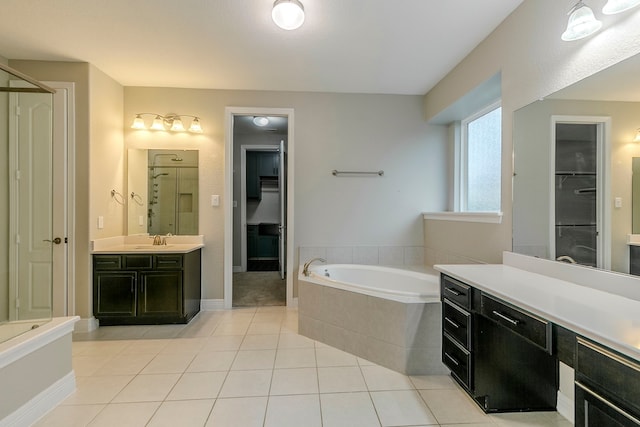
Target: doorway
(259, 200)
(50, 251)
(579, 215)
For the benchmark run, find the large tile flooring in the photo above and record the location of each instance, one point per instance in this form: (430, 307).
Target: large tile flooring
(249, 367)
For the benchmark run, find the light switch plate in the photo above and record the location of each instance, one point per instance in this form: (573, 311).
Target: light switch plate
(100, 222)
(215, 200)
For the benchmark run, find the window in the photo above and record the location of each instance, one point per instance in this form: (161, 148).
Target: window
(480, 165)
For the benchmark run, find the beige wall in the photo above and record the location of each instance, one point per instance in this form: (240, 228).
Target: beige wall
(534, 62)
(332, 131)
(106, 165)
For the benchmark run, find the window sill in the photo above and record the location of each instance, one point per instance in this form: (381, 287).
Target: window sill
(484, 217)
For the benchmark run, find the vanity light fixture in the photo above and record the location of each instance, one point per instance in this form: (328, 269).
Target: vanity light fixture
(260, 121)
(637, 138)
(616, 6)
(288, 14)
(171, 121)
(582, 23)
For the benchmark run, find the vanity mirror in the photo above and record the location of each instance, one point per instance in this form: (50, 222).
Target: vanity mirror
(573, 164)
(162, 191)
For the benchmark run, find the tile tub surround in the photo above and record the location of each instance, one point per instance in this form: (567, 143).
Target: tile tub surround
(368, 255)
(400, 336)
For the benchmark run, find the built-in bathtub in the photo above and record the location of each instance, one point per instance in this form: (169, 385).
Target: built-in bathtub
(389, 316)
(35, 372)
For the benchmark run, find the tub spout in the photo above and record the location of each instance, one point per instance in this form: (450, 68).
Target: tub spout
(305, 269)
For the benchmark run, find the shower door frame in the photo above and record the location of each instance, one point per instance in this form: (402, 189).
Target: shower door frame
(603, 181)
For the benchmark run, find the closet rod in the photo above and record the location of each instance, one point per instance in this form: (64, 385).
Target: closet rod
(337, 173)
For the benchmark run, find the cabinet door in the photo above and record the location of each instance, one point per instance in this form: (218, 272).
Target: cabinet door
(160, 293)
(593, 410)
(268, 246)
(253, 177)
(114, 294)
(252, 241)
(268, 164)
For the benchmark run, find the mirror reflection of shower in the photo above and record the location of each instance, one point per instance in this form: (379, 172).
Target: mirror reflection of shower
(172, 192)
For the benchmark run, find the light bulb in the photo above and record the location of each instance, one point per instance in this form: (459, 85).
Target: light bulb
(260, 121)
(616, 6)
(195, 126)
(177, 125)
(288, 14)
(138, 123)
(158, 123)
(582, 23)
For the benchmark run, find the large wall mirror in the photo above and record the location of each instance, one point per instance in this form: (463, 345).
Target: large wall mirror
(162, 192)
(573, 196)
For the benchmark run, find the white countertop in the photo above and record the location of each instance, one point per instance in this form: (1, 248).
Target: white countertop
(144, 244)
(609, 319)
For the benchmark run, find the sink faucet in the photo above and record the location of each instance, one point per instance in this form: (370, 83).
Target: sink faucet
(157, 240)
(305, 269)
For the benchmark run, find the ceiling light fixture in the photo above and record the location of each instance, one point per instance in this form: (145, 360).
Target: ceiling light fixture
(582, 23)
(616, 6)
(288, 14)
(260, 121)
(170, 121)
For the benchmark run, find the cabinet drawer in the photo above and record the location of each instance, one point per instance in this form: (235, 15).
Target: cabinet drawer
(142, 261)
(456, 291)
(107, 262)
(457, 359)
(457, 323)
(168, 262)
(536, 330)
(616, 375)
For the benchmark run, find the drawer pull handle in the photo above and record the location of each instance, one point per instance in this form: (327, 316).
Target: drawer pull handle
(609, 404)
(453, 291)
(453, 359)
(514, 322)
(452, 323)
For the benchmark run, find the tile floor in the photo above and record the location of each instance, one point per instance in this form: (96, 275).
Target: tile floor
(249, 367)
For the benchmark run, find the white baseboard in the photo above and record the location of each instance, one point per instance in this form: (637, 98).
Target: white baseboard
(237, 269)
(211, 304)
(44, 402)
(86, 325)
(566, 407)
(294, 303)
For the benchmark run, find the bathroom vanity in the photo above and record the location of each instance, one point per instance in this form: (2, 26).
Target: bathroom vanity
(139, 284)
(505, 329)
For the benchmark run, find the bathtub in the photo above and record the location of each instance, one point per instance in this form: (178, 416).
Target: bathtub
(389, 316)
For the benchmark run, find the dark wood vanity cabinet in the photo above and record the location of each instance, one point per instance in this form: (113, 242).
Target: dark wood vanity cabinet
(146, 288)
(607, 387)
(500, 354)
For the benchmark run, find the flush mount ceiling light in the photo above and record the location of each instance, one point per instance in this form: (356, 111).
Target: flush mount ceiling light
(171, 121)
(616, 6)
(260, 121)
(288, 14)
(582, 23)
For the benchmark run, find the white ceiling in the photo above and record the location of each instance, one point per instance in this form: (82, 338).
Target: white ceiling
(356, 46)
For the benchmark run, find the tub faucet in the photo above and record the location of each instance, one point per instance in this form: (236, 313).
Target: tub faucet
(566, 258)
(305, 269)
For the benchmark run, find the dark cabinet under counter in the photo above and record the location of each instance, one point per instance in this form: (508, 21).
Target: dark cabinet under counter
(146, 288)
(499, 353)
